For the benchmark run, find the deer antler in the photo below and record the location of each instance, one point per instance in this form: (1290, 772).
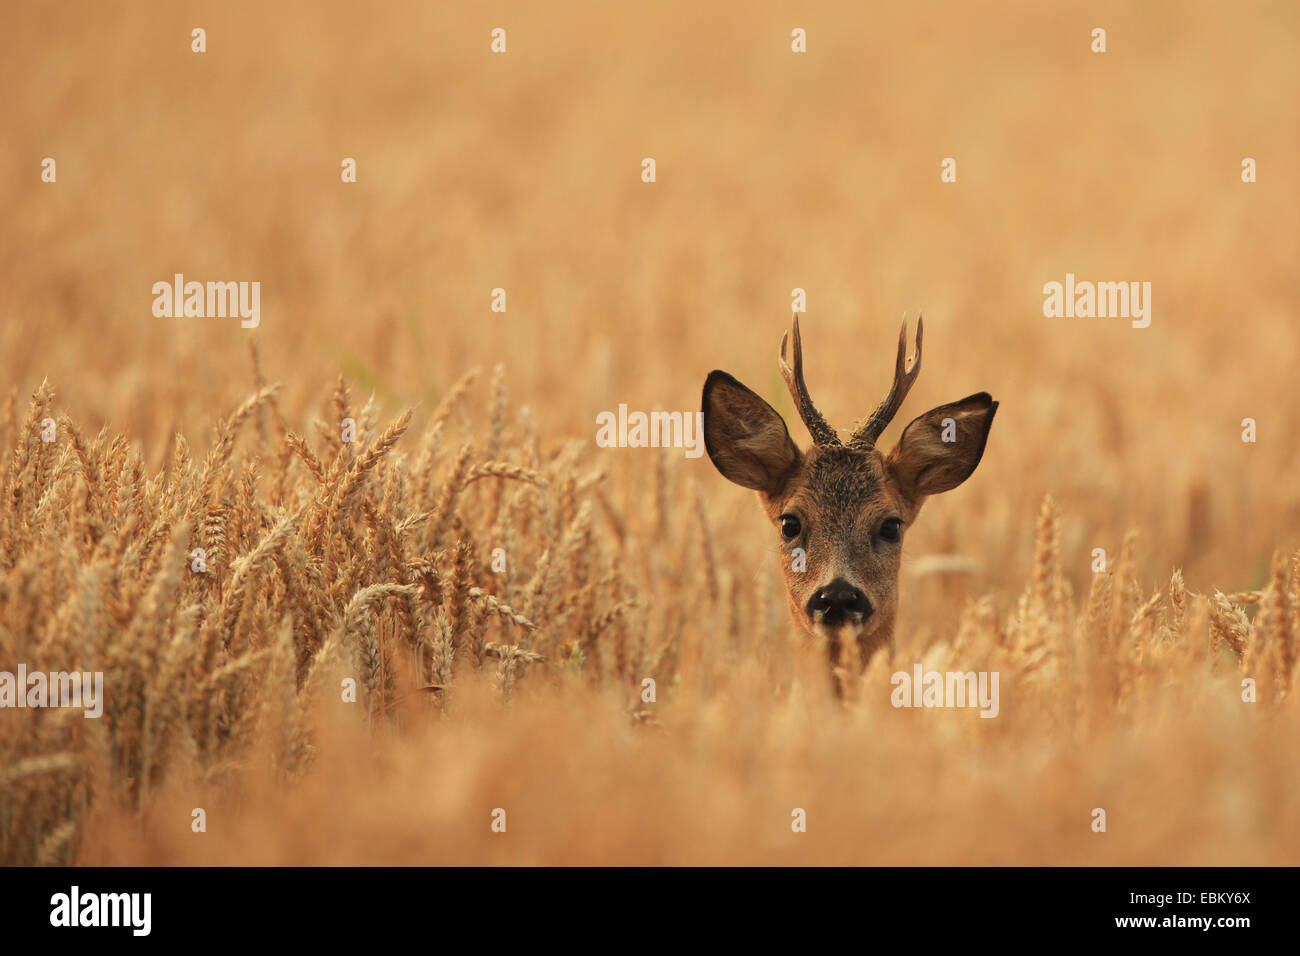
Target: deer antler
(904, 376)
(821, 432)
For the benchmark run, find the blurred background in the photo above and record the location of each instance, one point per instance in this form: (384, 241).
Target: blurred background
(775, 170)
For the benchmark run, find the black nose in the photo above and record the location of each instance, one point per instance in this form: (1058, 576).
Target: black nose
(835, 602)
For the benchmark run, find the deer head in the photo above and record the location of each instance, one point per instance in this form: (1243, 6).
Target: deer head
(841, 510)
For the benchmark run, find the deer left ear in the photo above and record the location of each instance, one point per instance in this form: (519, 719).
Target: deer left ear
(940, 449)
(746, 438)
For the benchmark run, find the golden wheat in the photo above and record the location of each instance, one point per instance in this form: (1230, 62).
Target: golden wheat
(214, 665)
(625, 683)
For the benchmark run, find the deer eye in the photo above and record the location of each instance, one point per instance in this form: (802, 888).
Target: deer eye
(790, 527)
(892, 529)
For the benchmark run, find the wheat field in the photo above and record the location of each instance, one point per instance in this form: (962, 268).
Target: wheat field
(497, 586)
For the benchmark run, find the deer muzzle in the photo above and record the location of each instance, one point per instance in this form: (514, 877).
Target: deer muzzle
(839, 603)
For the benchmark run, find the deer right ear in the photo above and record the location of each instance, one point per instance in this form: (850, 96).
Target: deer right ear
(746, 437)
(940, 449)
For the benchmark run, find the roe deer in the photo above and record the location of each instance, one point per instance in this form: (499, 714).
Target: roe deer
(841, 509)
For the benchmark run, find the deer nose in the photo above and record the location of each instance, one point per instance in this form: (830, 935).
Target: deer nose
(838, 601)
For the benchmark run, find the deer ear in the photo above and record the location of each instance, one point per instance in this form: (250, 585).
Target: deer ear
(940, 449)
(746, 438)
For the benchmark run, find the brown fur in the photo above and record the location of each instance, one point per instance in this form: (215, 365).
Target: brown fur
(842, 496)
